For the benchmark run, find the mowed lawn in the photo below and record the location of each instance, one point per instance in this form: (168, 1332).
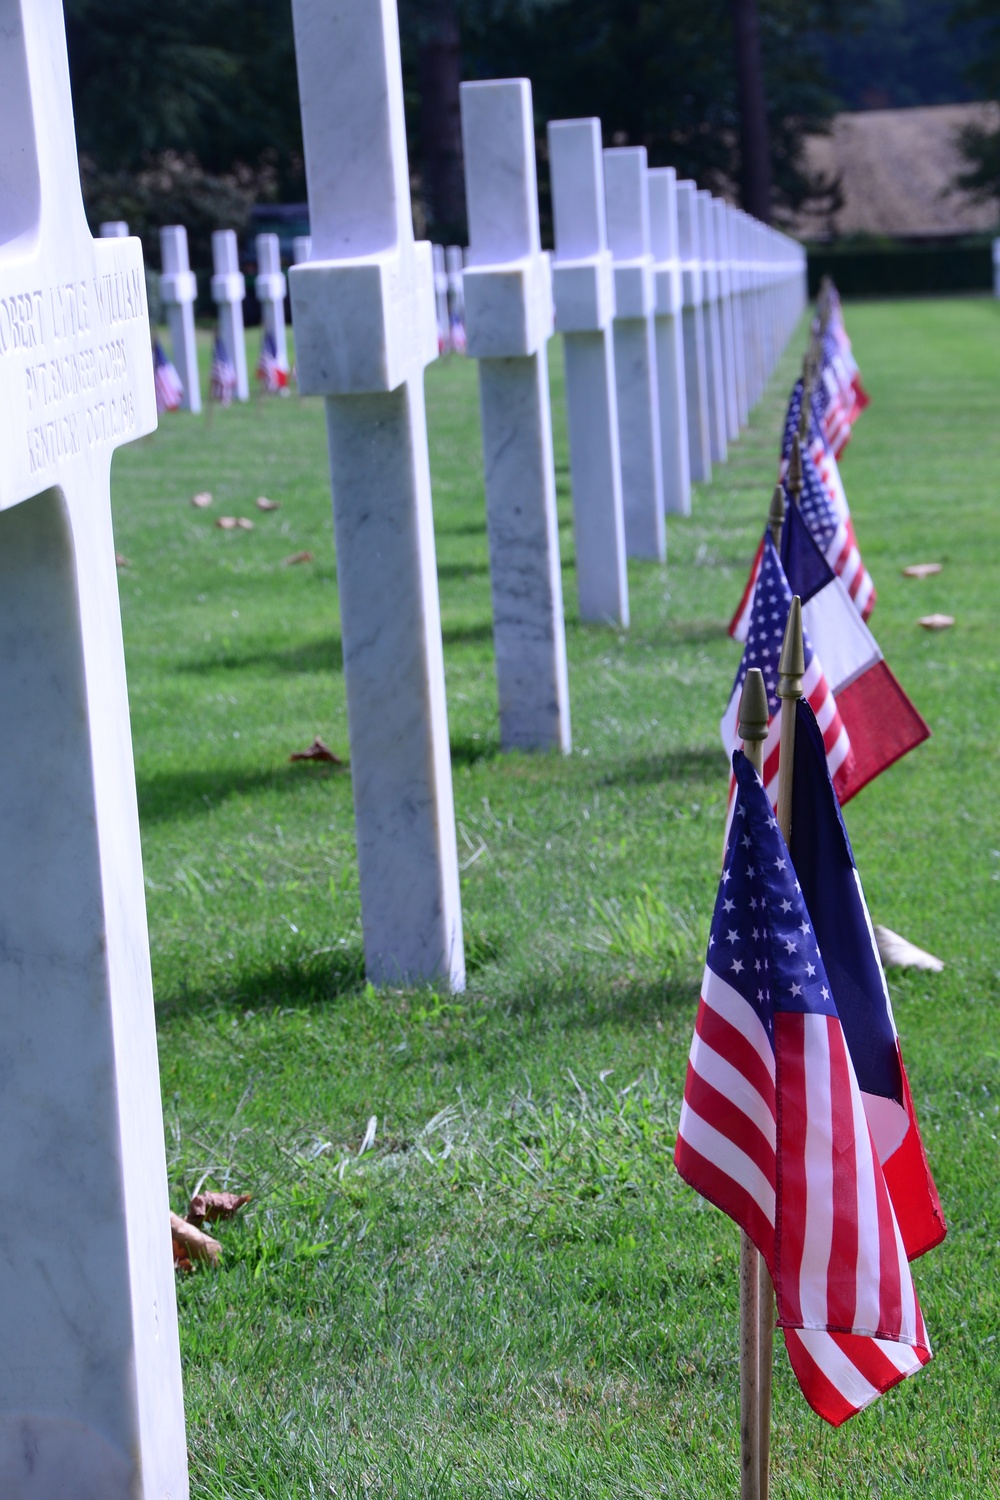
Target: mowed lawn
(512, 1294)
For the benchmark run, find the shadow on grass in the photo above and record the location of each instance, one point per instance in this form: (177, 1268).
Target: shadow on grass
(297, 982)
(695, 762)
(462, 570)
(468, 635)
(323, 655)
(469, 752)
(182, 794)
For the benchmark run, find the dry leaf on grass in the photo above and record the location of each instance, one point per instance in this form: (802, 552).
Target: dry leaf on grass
(191, 1243)
(318, 750)
(226, 523)
(297, 557)
(244, 523)
(121, 561)
(211, 1207)
(263, 503)
(202, 500)
(936, 622)
(899, 953)
(921, 570)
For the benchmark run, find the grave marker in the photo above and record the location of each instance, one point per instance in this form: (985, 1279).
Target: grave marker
(364, 318)
(454, 260)
(90, 1381)
(228, 291)
(508, 320)
(114, 229)
(271, 288)
(178, 293)
(627, 200)
(694, 332)
(301, 249)
(737, 280)
(723, 260)
(669, 341)
(714, 374)
(583, 286)
(441, 298)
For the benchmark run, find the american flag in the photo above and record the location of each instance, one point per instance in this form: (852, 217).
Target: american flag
(222, 382)
(835, 404)
(269, 370)
(167, 382)
(854, 393)
(835, 539)
(768, 617)
(774, 1130)
(815, 445)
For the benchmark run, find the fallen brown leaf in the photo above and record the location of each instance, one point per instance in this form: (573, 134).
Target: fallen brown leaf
(921, 570)
(211, 1207)
(297, 557)
(191, 1243)
(263, 503)
(202, 500)
(317, 751)
(121, 561)
(226, 523)
(244, 523)
(936, 622)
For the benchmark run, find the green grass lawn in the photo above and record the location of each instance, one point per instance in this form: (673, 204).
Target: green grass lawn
(513, 1295)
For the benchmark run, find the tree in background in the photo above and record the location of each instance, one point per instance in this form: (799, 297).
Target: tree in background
(980, 144)
(755, 145)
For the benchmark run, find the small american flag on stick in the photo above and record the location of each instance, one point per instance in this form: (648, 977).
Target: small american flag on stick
(167, 382)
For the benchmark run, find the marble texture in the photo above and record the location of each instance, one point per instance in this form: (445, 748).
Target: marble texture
(365, 330)
(627, 199)
(301, 249)
(454, 260)
(228, 291)
(508, 322)
(583, 288)
(90, 1382)
(662, 183)
(714, 372)
(724, 263)
(693, 323)
(441, 297)
(271, 289)
(736, 276)
(178, 293)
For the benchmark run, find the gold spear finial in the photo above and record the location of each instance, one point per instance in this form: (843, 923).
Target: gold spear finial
(776, 514)
(751, 723)
(792, 661)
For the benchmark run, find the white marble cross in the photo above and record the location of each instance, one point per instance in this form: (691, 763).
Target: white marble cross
(508, 324)
(626, 194)
(723, 261)
(662, 183)
(714, 371)
(694, 331)
(454, 260)
(228, 291)
(736, 300)
(365, 330)
(114, 229)
(90, 1380)
(441, 297)
(271, 289)
(583, 286)
(179, 292)
(301, 249)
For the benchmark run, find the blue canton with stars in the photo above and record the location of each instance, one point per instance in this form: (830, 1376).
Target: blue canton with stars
(762, 941)
(816, 505)
(772, 600)
(792, 421)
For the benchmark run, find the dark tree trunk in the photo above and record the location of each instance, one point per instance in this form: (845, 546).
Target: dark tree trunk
(440, 68)
(755, 145)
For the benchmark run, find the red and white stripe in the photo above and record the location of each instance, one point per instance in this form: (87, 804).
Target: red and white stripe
(845, 559)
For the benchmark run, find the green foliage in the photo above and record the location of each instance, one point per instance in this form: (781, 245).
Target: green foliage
(511, 1294)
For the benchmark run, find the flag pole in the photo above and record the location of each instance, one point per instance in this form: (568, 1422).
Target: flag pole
(776, 516)
(793, 478)
(752, 729)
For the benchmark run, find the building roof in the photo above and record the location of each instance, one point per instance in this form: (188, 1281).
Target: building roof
(897, 169)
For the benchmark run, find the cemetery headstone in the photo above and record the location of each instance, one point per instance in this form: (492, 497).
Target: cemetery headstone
(694, 332)
(441, 298)
(669, 341)
(736, 273)
(301, 249)
(454, 260)
(114, 229)
(90, 1381)
(714, 374)
(508, 319)
(364, 318)
(627, 198)
(271, 288)
(583, 287)
(228, 291)
(178, 293)
(723, 262)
